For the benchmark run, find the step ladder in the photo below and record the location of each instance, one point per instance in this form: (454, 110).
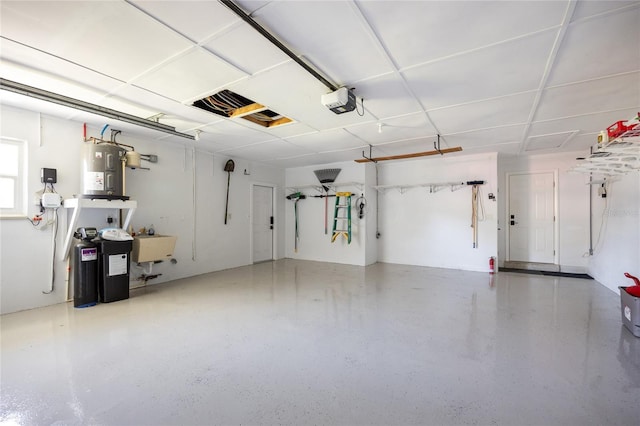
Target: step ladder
(342, 216)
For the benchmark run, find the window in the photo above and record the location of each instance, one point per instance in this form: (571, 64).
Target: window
(13, 172)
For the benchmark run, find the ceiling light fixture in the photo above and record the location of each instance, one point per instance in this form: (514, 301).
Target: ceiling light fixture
(55, 98)
(379, 127)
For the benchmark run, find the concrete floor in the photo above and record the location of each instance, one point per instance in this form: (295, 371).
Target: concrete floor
(297, 342)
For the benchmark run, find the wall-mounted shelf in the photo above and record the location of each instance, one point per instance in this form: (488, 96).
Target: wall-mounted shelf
(433, 186)
(332, 186)
(617, 157)
(78, 204)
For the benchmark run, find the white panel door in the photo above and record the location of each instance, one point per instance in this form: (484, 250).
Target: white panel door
(262, 222)
(531, 218)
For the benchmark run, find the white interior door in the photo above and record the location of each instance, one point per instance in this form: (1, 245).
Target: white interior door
(531, 217)
(262, 222)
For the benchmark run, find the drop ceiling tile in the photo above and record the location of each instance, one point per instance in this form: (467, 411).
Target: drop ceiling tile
(214, 142)
(53, 83)
(419, 31)
(330, 140)
(236, 133)
(128, 107)
(190, 76)
(156, 104)
(291, 91)
(113, 38)
(386, 96)
(581, 143)
(290, 130)
(501, 70)
(586, 9)
(246, 49)
(328, 35)
(338, 156)
(267, 151)
(393, 129)
(589, 123)
(546, 142)
(298, 161)
(495, 137)
(587, 52)
(197, 20)
(505, 111)
(606, 94)
(507, 149)
(43, 71)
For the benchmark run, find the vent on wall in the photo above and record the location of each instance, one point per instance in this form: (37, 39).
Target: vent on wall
(231, 105)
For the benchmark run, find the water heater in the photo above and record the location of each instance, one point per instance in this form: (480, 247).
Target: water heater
(102, 171)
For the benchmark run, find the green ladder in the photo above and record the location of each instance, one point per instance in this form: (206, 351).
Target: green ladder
(343, 205)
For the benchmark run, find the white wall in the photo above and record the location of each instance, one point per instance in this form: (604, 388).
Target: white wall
(616, 230)
(572, 209)
(314, 244)
(165, 199)
(434, 229)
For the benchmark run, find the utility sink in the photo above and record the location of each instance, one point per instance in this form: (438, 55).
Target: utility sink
(150, 248)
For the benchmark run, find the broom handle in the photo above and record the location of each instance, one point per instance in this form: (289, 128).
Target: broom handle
(326, 207)
(226, 206)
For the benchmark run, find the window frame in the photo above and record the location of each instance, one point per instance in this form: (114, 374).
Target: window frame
(20, 188)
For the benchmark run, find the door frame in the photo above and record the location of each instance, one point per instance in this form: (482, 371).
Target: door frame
(556, 222)
(274, 206)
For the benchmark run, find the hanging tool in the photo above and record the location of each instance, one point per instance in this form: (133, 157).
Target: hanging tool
(474, 208)
(326, 176)
(361, 204)
(343, 204)
(228, 167)
(295, 197)
(474, 214)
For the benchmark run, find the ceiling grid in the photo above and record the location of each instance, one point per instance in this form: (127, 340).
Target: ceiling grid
(490, 76)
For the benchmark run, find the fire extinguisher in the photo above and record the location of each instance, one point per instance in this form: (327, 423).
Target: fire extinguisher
(492, 265)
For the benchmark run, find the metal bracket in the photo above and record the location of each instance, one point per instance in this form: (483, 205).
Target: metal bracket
(370, 157)
(437, 148)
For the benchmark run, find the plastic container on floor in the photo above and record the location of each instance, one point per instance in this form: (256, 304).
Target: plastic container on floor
(630, 311)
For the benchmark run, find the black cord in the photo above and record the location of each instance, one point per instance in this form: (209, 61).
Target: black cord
(358, 112)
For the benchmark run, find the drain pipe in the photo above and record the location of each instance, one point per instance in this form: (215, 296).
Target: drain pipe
(249, 20)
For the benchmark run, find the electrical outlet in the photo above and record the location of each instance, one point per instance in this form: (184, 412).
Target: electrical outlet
(110, 219)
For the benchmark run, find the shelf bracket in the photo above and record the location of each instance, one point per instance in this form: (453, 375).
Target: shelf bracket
(370, 157)
(437, 147)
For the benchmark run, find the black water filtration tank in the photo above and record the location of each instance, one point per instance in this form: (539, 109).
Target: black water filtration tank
(85, 274)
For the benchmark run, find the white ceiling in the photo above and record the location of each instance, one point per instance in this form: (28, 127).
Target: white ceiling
(514, 77)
